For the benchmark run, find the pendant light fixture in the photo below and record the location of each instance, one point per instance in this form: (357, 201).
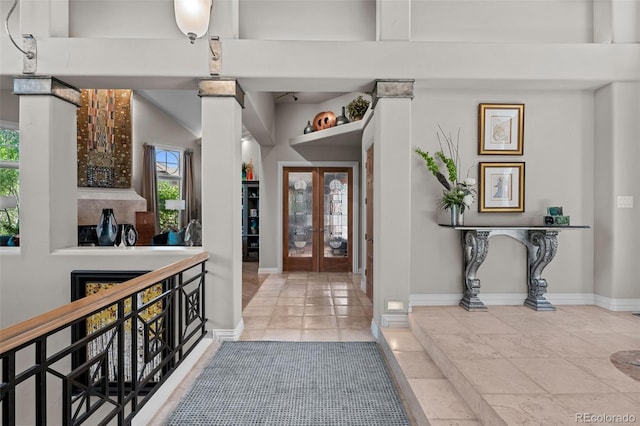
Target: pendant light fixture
(192, 17)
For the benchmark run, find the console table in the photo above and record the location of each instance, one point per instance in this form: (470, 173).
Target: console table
(541, 243)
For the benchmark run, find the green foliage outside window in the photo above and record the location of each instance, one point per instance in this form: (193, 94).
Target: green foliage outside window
(167, 190)
(9, 180)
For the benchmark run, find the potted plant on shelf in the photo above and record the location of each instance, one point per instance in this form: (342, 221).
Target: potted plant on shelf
(357, 108)
(458, 195)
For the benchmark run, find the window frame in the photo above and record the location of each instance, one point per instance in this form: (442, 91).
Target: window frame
(172, 178)
(12, 165)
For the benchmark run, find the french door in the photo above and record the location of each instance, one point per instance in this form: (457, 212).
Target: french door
(318, 217)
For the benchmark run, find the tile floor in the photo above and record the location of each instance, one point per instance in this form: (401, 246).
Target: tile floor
(513, 365)
(305, 306)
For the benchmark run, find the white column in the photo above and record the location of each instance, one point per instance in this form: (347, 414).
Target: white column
(48, 164)
(392, 200)
(221, 203)
(616, 227)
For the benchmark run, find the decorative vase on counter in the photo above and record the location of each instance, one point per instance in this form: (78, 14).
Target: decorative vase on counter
(343, 118)
(457, 216)
(107, 229)
(309, 128)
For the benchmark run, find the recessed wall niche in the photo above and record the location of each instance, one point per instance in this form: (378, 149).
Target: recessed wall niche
(104, 138)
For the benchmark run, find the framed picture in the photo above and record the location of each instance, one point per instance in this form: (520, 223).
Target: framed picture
(500, 129)
(501, 187)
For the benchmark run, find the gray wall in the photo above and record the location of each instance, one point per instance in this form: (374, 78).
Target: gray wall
(559, 171)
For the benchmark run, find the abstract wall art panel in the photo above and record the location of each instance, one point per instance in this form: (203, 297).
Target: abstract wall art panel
(104, 138)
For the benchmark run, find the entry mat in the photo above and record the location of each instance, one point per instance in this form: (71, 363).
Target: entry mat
(293, 383)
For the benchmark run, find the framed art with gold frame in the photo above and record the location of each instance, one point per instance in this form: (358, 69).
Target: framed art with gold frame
(501, 187)
(500, 129)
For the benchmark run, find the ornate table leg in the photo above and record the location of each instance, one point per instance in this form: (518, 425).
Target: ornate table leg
(475, 248)
(542, 247)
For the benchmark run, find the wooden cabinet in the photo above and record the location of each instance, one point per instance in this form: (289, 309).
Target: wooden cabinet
(146, 227)
(250, 220)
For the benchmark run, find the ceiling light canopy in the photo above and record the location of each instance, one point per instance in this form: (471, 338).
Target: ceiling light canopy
(192, 17)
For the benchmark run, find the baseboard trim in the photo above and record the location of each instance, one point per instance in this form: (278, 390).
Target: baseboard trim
(228, 335)
(617, 304)
(518, 299)
(374, 329)
(570, 298)
(268, 270)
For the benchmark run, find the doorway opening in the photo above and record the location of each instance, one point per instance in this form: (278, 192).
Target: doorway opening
(317, 219)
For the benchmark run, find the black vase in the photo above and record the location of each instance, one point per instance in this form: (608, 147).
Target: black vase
(107, 229)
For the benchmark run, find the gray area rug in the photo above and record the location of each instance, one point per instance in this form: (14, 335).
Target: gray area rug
(293, 383)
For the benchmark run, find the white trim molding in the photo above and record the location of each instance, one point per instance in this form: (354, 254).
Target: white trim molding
(570, 298)
(268, 270)
(228, 335)
(518, 299)
(374, 329)
(617, 304)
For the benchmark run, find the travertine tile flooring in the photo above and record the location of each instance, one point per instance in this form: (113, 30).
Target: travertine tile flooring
(305, 306)
(518, 366)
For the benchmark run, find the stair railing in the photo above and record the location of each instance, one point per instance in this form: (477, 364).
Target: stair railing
(132, 337)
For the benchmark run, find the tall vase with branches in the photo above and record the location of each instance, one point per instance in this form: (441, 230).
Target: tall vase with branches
(457, 195)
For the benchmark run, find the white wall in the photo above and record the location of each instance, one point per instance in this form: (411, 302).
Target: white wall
(122, 19)
(617, 152)
(308, 20)
(291, 119)
(560, 21)
(153, 126)
(558, 156)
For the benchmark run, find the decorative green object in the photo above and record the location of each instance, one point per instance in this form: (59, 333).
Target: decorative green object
(456, 193)
(357, 108)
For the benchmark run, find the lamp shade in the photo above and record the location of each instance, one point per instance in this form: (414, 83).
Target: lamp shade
(8, 202)
(192, 17)
(174, 204)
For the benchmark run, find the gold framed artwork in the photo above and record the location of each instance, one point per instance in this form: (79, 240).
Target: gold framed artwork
(501, 187)
(500, 129)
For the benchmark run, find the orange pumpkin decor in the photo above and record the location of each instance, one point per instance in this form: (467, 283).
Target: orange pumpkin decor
(324, 120)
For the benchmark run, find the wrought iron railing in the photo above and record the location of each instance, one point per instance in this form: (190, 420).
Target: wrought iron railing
(99, 359)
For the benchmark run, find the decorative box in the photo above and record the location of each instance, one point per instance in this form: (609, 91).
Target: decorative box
(557, 220)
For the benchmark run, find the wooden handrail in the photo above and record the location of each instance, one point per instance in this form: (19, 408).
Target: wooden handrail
(19, 334)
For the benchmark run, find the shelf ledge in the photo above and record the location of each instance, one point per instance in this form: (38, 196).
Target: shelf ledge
(349, 134)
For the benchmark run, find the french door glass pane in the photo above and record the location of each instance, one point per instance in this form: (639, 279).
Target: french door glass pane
(336, 214)
(300, 214)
